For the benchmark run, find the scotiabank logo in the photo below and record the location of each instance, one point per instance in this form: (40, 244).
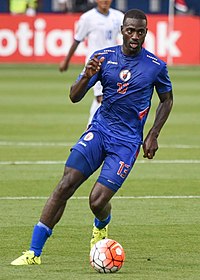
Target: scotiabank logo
(34, 41)
(38, 41)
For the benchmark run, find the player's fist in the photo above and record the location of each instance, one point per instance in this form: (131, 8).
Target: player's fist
(63, 66)
(150, 146)
(94, 65)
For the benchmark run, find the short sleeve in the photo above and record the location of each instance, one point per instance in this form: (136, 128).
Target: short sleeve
(82, 29)
(162, 82)
(92, 81)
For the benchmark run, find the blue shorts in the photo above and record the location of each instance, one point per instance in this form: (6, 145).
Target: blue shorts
(95, 149)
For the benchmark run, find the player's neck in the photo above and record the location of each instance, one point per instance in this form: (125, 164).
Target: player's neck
(103, 11)
(127, 52)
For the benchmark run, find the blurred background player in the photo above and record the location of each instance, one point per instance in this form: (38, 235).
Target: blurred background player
(101, 26)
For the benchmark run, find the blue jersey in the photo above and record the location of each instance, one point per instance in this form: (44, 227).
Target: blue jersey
(128, 84)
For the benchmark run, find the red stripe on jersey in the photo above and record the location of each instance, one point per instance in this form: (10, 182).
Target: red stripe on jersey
(143, 113)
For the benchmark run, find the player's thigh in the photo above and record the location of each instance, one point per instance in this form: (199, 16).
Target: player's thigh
(117, 165)
(88, 153)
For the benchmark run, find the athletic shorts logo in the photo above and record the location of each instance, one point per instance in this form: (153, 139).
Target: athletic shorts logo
(125, 75)
(89, 136)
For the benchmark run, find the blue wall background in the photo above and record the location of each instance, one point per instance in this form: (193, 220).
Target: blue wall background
(45, 6)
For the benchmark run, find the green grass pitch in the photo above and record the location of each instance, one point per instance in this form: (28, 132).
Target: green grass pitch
(156, 214)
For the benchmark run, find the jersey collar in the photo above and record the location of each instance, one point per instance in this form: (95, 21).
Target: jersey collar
(103, 14)
(128, 57)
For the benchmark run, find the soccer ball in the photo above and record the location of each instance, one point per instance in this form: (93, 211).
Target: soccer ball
(107, 256)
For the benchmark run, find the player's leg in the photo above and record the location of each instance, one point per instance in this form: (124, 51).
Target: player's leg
(117, 165)
(54, 207)
(101, 207)
(100, 201)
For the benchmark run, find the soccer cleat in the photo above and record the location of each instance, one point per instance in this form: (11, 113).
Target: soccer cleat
(27, 258)
(98, 234)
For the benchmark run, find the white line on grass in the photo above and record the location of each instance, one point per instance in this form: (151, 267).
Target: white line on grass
(69, 144)
(39, 162)
(36, 144)
(116, 197)
(52, 162)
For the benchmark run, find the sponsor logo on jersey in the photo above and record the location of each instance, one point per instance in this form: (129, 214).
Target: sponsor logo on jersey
(109, 181)
(112, 51)
(82, 143)
(89, 136)
(154, 59)
(112, 62)
(156, 62)
(125, 75)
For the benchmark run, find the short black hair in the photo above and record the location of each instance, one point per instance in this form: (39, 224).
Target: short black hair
(135, 13)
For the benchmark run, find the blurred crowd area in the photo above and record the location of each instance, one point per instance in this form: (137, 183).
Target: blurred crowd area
(31, 7)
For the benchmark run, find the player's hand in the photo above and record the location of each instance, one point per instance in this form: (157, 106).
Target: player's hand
(150, 146)
(94, 65)
(63, 66)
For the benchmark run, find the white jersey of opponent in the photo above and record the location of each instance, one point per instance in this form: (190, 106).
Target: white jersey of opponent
(101, 31)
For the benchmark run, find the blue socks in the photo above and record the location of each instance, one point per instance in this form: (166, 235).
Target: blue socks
(101, 224)
(40, 235)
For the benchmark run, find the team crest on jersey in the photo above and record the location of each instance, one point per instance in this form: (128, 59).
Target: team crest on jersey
(89, 136)
(125, 75)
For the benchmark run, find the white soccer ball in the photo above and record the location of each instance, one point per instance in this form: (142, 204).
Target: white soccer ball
(107, 256)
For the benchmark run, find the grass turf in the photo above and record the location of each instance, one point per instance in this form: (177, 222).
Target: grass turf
(160, 234)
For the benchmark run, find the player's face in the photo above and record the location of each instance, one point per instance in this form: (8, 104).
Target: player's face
(134, 32)
(103, 5)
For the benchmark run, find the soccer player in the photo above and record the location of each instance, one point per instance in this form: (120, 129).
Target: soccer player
(129, 74)
(101, 26)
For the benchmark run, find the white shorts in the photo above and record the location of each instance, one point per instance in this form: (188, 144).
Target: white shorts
(98, 89)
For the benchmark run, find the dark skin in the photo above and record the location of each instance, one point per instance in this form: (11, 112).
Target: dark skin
(134, 32)
(71, 180)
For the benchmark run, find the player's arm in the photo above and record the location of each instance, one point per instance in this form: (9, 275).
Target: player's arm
(65, 63)
(79, 89)
(150, 145)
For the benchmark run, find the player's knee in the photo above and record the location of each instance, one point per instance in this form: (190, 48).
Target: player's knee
(97, 205)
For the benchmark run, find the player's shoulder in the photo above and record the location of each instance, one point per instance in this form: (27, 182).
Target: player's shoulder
(152, 59)
(112, 49)
(109, 51)
(89, 13)
(116, 13)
